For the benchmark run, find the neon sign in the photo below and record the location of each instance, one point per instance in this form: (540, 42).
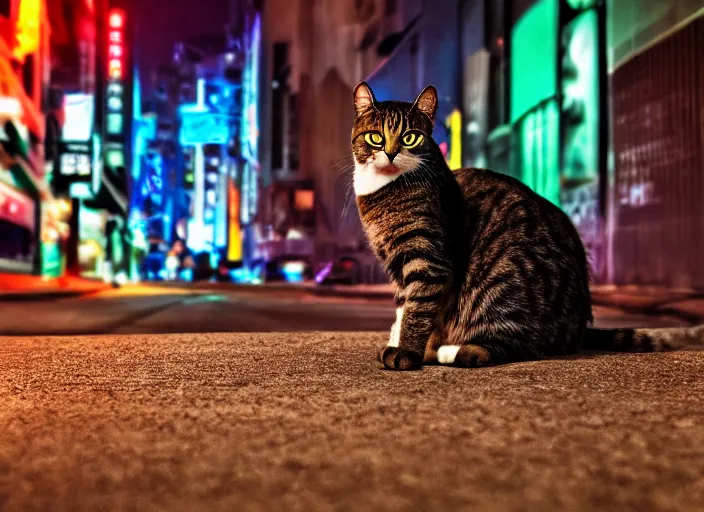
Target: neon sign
(79, 117)
(234, 239)
(116, 71)
(28, 30)
(453, 122)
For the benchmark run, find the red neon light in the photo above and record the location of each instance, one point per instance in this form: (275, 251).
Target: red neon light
(116, 20)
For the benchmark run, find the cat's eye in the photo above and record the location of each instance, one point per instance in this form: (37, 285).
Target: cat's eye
(412, 139)
(374, 139)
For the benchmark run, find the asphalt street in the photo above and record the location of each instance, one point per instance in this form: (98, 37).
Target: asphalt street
(123, 418)
(309, 422)
(149, 309)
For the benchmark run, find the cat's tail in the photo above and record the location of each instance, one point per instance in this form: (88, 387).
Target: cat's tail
(644, 340)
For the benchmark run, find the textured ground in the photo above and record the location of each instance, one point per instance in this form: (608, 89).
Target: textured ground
(310, 422)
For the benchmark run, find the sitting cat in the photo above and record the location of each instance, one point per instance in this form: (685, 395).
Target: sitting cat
(487, 271)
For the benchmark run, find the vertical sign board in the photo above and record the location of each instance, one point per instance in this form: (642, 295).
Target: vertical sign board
(250, 125)
(117, 67)
(78, 168)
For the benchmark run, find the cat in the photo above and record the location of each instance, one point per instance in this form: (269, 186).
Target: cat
(487, 271)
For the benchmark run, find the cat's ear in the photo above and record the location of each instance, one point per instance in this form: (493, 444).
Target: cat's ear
(363, 97)
(427, 102)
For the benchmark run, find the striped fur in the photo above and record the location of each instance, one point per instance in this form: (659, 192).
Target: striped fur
(483, 265)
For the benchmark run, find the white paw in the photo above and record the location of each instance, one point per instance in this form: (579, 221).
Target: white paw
(448, 353)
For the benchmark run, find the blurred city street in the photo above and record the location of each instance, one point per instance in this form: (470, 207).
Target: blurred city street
(151, 309)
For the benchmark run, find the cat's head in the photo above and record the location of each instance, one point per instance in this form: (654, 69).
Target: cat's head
(390, 138)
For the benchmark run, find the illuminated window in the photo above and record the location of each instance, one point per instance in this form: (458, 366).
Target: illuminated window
(72, 163)
(304, 199)
(68, 164)
(83, 165)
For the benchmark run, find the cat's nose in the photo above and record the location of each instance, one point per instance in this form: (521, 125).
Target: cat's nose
(391, 156)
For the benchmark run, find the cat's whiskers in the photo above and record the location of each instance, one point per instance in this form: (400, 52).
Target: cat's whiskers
(344, 164)
(427, 171)
(349, 199)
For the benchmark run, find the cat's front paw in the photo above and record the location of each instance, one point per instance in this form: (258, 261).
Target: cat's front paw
(397, 358)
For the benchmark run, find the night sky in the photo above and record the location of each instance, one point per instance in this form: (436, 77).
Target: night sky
(162, 23)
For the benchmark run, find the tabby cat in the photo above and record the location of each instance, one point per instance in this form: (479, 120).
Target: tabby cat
(487, 271)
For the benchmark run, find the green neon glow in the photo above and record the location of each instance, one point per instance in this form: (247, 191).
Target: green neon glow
(533, 56)
(534, 109)
(538, 151)
(580, 90)
(581, 4)
(51, 259)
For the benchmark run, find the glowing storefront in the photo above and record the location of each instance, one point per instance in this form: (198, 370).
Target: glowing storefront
(30, 218)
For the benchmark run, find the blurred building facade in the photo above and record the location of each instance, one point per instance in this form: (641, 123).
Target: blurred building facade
(592, 103)
(32, 220)
(93, 76)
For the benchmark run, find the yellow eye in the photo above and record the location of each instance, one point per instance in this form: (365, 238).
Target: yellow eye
(373, 139)
(412, 140)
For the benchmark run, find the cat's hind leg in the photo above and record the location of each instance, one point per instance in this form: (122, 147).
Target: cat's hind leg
(470, 355)
(464, 356)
